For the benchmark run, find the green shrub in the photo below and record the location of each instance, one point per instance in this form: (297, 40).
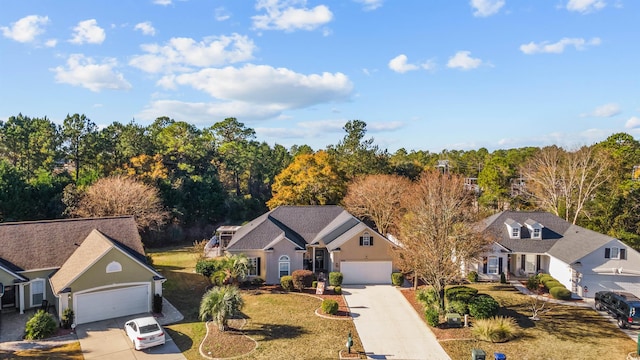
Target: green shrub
(427, 297)
(337, 290)
(532, 283)
(551, 284)
(503, 278)
(432, 315)
(397, 279)
(257, 281)
(483, 307)
(302, 279)
(335, 278)
(41, 325)
(287, 282)
(314, 284)
(543, 278)
(460, 293)
(207, 267)
(157, 303)
(67, 318)
(497, 329)
(458, 307)
(560, 292)
(472, 276)
(329, 306)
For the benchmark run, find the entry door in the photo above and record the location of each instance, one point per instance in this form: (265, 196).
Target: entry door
(9, 297)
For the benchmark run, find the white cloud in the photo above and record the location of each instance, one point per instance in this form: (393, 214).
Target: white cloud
(399, 64)
(146, 28)
(26, 29)
(262, 84)
(184, 53)
(89, 32)
(207, 112)
(162, 2)
(385, 126)
(83, 71)
(606, 110)
(586, 6)
(632, 123)
(282, 15)
(558, 47)
(51, 43)
(464, 61)
(485, 8)
(221, 14)
(369, 5)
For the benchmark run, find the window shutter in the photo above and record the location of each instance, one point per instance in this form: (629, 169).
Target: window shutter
(500, 265)
(258, 267)
(623, 254)
(361, 241)
(607, 253)
(484, 265)
(371, 241)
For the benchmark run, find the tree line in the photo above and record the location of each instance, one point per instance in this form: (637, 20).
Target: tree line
(223, 174)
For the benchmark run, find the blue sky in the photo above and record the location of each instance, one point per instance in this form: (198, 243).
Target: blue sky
(424, 75)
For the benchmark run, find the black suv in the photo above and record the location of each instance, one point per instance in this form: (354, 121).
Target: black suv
(625, 307)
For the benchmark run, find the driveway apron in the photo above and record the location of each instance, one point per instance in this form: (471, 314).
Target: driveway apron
(388, 326)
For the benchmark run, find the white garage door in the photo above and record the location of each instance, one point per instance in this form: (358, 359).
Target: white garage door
(109, 304)
(366, 272)
(595, 283)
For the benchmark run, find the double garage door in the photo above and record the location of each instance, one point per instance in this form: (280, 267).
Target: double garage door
(623, 283)
(366, 272)
(107, 304)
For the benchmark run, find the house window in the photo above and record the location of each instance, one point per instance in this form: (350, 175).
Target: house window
(283, 265)
(515, 233)
(37, 292)
(536, 233)
(615, 253)
(366, 240)
(492, 267)
(254, 266)
(114, 266)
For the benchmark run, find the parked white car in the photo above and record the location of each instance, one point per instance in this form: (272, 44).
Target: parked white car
(144, 332)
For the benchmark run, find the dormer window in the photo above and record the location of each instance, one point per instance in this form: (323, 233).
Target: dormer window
(513, 227)
(536, 233)
(515, 233)
(535, 228)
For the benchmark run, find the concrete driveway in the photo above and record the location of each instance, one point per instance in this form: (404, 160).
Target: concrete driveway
(107, 340)
(388, 326)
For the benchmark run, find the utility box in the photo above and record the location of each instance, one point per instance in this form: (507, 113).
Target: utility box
(453, 320)
(478, 354)
(499, 356)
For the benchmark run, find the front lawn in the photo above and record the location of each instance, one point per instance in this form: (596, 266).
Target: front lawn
(284, 325)
(566, 332)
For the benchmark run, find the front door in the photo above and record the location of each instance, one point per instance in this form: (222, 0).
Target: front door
(320, 260)
(9, 297)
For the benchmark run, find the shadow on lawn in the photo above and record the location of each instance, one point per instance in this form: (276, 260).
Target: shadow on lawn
(276, 331)
(183, 341)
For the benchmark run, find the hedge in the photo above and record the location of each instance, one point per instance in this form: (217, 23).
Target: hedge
(560, 292)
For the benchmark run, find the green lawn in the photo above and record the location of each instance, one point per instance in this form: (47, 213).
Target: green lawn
(283, 324)
(566, 332)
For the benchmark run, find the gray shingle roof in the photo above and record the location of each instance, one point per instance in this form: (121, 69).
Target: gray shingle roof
(301, 224)
(48, 244)
(560, 238)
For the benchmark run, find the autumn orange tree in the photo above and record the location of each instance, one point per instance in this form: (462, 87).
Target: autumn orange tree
(311, 179)
(115, 196)
(439, 231)
(378, 198)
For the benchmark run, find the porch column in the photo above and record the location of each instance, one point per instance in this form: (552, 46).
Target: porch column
(21, 295)
(313, 259)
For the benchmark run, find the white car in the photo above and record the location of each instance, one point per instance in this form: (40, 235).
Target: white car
(144, 332)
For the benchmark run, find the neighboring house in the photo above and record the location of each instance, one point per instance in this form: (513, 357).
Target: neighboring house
(317, 238)
(96, 266)
(584, 261)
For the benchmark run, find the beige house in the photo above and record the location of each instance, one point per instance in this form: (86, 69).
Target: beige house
(317, 238)
(97, 267)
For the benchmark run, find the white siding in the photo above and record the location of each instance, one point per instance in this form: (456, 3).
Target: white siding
(561, 271)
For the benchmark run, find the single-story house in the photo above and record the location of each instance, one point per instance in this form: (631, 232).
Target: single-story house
(532, 242)
(95, 266)
(318, 238)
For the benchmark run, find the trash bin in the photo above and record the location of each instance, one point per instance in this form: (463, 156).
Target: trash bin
(499, 356)
(478, 354)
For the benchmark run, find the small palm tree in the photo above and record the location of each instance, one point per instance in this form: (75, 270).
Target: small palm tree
(221, 303)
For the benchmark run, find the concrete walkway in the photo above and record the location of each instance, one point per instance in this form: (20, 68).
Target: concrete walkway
(388, 326)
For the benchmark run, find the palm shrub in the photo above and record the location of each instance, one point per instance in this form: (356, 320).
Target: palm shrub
(221, 303)
(560, 292)
(329, 306)
(397, 279)
(427, 297)
(483, 307)
(41, 325)
(432, 315)
(286, 282)
(302, 279)
(472, 276)
(497, 329)
(335, 278)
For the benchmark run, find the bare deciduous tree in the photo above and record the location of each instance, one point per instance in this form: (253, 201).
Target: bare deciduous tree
(563, 182)
(377, 198)
(439, 233)
(118, 195)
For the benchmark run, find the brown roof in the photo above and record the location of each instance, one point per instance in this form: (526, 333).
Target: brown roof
(48, 244)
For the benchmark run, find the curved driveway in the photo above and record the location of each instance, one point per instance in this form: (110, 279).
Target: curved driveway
(388, 326)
